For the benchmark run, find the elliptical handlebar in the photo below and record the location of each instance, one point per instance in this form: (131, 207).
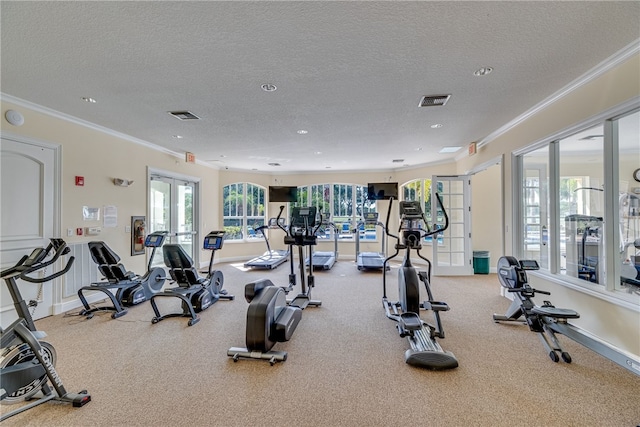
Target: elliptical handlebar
(435, 229)
(430, 232)
(280, 226)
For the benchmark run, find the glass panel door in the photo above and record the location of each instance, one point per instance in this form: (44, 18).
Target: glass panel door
(452, 248)
(172, 209)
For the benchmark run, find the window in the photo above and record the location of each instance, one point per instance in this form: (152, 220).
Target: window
(243, 211)
(342, 204)
(535, 206)
(628, 130)
(580, 207)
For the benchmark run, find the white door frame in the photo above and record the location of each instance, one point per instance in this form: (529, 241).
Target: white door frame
(13, 249)
(459, 230)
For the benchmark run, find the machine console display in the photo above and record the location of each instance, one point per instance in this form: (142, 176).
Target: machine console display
(213, 241)
(371, 217)
(154, 240)
(529, 264)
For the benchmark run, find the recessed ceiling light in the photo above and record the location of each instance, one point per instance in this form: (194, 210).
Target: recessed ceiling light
(177, 137)
(317, 153)
(273, 164)
(268, 87)
(89, 100)
(436, 125)
(482, 71)
(419, 149)
(223, 155)
(303, 132)
(449, 149)
(327, 167)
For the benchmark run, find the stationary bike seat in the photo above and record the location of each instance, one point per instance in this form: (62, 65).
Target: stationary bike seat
(557, 313)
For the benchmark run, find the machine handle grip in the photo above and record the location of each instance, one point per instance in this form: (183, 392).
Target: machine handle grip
(386, 224)
(435, 229)
(278, 220)
(66, 268)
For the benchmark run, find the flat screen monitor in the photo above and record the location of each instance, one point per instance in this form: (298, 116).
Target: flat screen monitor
(283, 194)
(382, 190)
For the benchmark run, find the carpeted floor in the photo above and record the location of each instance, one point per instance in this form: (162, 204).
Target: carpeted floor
(345, 366)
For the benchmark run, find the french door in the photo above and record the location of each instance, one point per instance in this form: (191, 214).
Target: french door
(172, 208)
(452, 254)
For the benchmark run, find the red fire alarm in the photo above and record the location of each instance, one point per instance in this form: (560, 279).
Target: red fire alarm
(79, 231)
(79, 181)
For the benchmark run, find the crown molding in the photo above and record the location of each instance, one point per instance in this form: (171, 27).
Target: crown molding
(76, 121)
(607, 65)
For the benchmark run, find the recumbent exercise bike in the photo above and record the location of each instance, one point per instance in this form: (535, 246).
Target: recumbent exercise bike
(271, 318)
(131, 289)
(27, 363)
(195, 292)
(425, 351)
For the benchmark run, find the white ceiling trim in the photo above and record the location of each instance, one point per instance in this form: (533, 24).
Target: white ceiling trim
(74, 120)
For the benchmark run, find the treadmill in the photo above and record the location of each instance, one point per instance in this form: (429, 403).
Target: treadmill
(370, 260)
(325, 260)
(271, 258)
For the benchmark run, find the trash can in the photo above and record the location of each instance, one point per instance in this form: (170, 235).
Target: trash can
(481, 261)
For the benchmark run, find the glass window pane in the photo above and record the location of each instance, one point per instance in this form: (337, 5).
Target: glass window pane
(629, 202)
(581, 161)
(535, 206)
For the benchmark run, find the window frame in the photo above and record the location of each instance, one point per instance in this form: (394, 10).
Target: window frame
(608, 288)
(256, 213)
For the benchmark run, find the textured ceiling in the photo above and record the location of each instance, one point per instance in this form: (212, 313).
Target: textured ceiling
(349, 73)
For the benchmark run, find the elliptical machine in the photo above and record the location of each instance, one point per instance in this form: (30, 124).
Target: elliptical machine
(131, 288)
(302, 233)
(425, 351)
(271, 318)
(197, 293)
(27, 363)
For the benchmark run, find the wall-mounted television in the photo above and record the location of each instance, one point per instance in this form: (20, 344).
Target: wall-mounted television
(382, 190)
(283, 194)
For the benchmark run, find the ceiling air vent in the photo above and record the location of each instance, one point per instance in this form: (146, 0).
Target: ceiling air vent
(184, 115)
(397, 161)
(434, 100)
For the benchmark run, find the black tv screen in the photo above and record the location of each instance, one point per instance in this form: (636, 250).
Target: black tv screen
(382, 190)
(283, 194)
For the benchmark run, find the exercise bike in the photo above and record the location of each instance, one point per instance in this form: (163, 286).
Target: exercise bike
(27, 364)
(131, 288)
(195, 292)
(271, 318)
(547, 320)
(425, 351)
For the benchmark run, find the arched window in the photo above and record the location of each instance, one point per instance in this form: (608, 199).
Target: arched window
(243, 211)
